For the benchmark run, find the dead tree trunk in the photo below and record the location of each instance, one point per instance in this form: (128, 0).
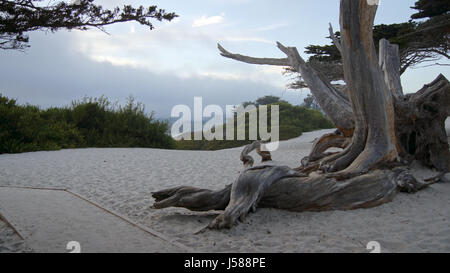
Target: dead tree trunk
(374, 140)
(378, 128)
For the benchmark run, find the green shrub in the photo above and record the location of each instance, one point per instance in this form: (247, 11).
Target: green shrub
(91, 122)
(294, 120)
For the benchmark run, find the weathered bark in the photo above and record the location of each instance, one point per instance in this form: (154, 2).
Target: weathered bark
(406, 110)
(379, 128)
(325, 142)
(336, 41)
(194, 199)
(248, 160)
(374, 140)
(419, 129)
(283, 188)
(421, 125)
(389, 60)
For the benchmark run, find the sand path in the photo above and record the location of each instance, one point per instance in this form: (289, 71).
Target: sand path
(49, 219)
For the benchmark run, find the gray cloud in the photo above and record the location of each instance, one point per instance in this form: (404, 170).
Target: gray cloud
(51, 74)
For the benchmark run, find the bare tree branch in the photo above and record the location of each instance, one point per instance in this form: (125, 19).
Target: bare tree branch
(336, 42)
(252, 60)
(336, 105)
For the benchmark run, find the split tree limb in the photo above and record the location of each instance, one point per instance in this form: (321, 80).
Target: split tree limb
(390, 65)
(336, 42)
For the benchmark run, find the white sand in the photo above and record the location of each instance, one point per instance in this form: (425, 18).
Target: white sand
(10, 242)
(122, 180)
(49, 219)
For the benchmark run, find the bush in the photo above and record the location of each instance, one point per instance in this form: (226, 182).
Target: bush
(91, 122)
(294, 120)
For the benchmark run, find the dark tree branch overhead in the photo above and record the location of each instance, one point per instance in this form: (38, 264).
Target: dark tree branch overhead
(21, 16)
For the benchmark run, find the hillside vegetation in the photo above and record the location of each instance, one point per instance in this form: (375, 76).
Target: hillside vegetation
(91, 122)
(96, 122)
(294, 120)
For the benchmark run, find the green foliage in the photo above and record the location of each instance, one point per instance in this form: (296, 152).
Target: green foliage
(263, 101)
(419, 41)
(395, 33)
(326, 53)
(18, 17)
(267, 100)
(300, 117)
(91, 122)
(430, 8)
(294, 120)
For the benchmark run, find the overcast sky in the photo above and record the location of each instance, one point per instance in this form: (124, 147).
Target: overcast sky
(179, 60)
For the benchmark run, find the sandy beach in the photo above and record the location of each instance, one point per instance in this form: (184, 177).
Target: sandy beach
(122, 180)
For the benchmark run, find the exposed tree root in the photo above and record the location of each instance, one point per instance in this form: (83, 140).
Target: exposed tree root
(420, 131)
(247, 191)
(247, 160)
(325, 142)
(194, 199)
(283, 188)
(421, 124)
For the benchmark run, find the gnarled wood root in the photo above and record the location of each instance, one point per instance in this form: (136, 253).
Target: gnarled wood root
(284, 188)
(247, 160)
(325, 142)
(192, 198)
(318, 155)
(247, 191)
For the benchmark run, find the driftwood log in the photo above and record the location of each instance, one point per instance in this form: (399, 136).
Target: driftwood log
(380, 129)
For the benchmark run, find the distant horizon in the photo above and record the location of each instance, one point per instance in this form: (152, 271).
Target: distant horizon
(147, 111)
